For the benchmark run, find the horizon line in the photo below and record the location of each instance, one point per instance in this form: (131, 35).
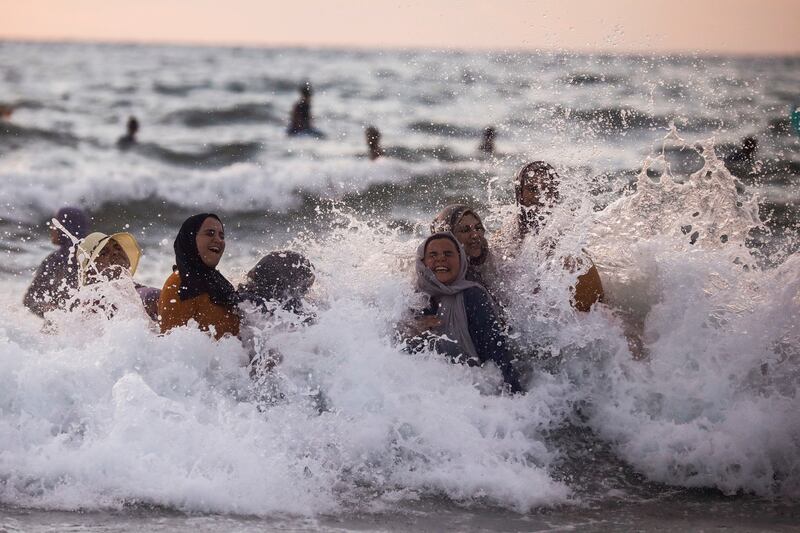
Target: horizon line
(394, 48)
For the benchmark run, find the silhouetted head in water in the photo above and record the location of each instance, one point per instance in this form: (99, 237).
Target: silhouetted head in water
(283, 277)
(130, 136)
(133, 127)
(536, 193)
(74, 221)
(305, 90)
(465, 224)
(373, 137)
(487, 144)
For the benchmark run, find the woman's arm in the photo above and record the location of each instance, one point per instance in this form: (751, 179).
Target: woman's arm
(588, 290)
(487, 335)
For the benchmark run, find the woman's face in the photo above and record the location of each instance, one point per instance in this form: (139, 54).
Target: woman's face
(210, 242)
(538, 190)
(442, 258)
(470, 233)
(112, 260)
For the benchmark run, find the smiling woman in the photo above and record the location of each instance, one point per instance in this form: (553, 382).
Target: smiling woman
(460, 320)
(196, 290)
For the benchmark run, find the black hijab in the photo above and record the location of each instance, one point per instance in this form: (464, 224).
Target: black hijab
(196, 277)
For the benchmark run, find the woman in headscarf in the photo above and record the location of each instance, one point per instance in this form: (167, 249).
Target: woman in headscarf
(467, 227)
(104, 257)
(279, 281)
(282, 277)
(196, 290)
(459, 309)
(536, 193)
(57, 276)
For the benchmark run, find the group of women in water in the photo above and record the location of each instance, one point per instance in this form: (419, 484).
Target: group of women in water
(455, 267)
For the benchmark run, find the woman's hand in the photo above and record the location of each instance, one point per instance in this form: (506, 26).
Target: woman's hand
(419, 325)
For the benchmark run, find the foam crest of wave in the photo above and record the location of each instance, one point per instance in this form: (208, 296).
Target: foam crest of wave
(118, 414)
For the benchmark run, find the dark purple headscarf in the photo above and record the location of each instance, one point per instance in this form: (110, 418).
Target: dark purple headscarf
(74, 221)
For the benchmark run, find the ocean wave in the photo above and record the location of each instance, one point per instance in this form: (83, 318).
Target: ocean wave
(178, 89)
(248, 113)
(589, 78)
(441, 129)
(212, 156)
(13, 135)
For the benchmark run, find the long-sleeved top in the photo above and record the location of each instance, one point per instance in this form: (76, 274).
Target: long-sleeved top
(52, 282)
(487, 335)
(174, 312)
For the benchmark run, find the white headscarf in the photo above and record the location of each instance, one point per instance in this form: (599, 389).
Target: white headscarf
(451, 311)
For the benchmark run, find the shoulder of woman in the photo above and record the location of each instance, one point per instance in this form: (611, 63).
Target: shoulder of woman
(476, 296)
(173, 281)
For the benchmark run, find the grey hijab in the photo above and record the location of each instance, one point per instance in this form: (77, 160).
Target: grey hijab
(451, 311)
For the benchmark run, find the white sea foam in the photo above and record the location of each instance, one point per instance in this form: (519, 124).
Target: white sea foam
(118, 414)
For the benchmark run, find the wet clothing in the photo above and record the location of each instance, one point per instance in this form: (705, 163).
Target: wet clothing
(488, 337)
(196, 291)
(53, 282)
(175, 311)
(467, 316)
(57, 276)
(150, 297)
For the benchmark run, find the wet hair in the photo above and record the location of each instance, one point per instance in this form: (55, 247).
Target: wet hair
(437, 237)
(282, 276)
(305, 89)
(133, 125)
(448, 217)
(537, 169)
(750, 144)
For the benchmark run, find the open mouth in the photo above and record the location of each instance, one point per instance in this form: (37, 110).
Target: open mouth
(215, 249)
(441, 269)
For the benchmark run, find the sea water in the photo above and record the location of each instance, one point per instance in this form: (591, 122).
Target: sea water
(140, 431)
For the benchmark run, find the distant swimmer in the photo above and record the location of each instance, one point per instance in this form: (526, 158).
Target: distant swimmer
(795, 117)
(373, 137)
(57, 276)
(487, 144)
(129, 139)
(5, 112)
(300, 119)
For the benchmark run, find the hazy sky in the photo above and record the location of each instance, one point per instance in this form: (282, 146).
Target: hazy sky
(732, 26)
